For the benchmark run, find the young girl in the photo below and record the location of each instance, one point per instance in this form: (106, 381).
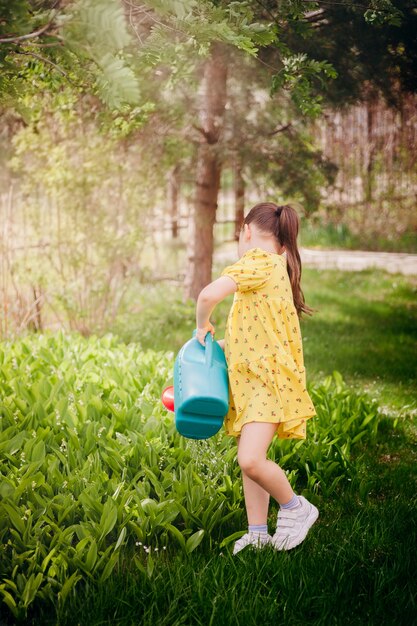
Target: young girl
(267, 378)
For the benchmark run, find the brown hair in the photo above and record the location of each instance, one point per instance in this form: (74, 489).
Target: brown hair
(283, 222)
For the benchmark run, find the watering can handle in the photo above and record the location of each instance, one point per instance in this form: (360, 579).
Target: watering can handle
(208, 348)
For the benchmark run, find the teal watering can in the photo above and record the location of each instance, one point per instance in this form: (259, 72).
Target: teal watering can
(201, 388)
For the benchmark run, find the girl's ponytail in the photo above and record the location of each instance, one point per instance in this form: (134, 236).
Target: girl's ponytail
(283, 222)
(286, 232)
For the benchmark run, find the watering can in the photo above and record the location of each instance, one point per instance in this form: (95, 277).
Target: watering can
(201, 389)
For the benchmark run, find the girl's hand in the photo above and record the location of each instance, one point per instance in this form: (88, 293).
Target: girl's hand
(202, 332)
(208, 298)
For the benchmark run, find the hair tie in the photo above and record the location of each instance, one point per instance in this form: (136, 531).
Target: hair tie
(278, 211)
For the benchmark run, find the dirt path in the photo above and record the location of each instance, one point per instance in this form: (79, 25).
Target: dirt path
(351, 260)
(394, 262)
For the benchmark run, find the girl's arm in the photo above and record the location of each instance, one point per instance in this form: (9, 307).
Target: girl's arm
(209, 297)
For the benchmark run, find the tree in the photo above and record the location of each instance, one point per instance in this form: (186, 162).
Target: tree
(174, 37)
(208, 170)
(81, 42)
(372, 49)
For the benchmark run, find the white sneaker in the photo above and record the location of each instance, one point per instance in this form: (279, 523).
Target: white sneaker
(258, 540)
(293, 525)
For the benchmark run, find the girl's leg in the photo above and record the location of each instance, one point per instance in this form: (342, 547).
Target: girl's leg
(253, 445)
(256, 499)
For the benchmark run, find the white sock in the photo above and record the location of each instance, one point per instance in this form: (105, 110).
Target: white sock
(262, 529)
(294, 503)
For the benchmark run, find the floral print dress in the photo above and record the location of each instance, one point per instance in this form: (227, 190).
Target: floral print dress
(263, 349)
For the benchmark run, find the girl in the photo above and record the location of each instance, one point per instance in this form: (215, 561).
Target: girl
(267, 378)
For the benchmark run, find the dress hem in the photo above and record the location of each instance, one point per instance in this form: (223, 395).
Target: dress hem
(278, 433)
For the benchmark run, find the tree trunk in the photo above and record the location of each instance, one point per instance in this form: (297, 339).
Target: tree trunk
(239, 190)
(203, 216)
(371, 149)
(173, 187)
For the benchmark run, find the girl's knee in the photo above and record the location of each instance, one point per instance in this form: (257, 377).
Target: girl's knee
(249, 464)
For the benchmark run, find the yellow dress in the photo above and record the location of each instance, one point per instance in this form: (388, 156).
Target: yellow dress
(263, 349)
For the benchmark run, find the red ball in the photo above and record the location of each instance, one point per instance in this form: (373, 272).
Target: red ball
(168, 398)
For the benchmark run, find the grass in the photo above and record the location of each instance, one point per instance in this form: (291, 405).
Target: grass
(357, 565)
(365, 326)
(316, 234)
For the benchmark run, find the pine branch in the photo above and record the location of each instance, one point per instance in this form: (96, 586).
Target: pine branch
(19, 38)
(34, 34)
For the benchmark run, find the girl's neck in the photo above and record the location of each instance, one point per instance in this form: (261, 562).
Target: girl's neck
(265, 244)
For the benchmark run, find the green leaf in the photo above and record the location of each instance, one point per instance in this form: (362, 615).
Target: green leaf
(111, 563)
(38, 452)
(367, 419)
(48, 558)
(121, 538)
(177, 534)
(91, 557)
(15, 516)
(14, 444)
(149, 506)
(359, 436)
(139, 565)
(231, 538)
(150, 566)
(9, 600)
(117, 82)
(194, 541)
(20, 404)
(67, 586)
(108, 518)
(6, 488)
(31, 587)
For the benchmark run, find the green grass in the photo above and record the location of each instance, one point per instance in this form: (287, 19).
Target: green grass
(319, 235)
(357, 565)
(365, 327)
